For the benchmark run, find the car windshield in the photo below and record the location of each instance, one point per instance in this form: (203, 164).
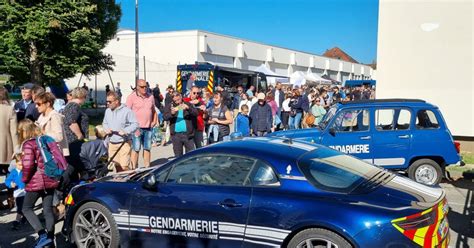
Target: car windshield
(328, 116)
(333, 171)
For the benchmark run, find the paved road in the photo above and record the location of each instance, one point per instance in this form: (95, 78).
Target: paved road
(459, 194)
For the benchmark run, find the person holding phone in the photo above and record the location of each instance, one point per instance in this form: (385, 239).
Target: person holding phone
(180, 115)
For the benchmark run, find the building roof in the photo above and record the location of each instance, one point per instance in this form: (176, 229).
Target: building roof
(337, 53)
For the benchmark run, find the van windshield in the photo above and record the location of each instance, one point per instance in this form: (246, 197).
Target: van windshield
(333, 171)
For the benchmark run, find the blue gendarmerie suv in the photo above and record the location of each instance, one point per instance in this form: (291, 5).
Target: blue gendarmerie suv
(258, 192)
(398, 134)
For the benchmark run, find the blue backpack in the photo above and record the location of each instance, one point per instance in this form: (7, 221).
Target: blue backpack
(54, 161)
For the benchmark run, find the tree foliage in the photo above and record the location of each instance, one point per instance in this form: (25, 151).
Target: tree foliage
(43, 41)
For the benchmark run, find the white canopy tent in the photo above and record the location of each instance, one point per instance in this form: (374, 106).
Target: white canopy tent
(298, 78)
(272, 77)
(310, 76)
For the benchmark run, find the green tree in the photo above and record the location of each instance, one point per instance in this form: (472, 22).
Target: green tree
(43, 41)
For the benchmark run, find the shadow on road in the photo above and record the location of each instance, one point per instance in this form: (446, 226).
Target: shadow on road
(463, 223)
(25, 236)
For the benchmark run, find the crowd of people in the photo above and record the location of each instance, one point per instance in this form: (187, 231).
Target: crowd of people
(201, 117)
(39, 124)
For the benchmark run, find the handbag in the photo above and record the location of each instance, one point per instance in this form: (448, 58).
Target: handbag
(309, 120)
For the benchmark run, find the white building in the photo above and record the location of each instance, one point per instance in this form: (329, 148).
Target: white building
(163, 51)
(426, 50)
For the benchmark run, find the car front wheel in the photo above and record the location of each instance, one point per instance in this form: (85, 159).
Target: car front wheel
(425, 171)
(94, 226)
(318, 237)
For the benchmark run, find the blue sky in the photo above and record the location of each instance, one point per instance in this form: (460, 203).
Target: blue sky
(305, 25)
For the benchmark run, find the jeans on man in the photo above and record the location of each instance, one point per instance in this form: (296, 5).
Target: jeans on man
(179, 140)
(144, 139)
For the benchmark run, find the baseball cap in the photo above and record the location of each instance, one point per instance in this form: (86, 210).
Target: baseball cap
(261, 96)
(27, 86)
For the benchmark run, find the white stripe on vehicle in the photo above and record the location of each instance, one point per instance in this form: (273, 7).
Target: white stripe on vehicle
(389, 161)
(231, 229)
(231, 233)
(263, 237)
(230, 224)
(121, 219)
(140, 221)
(434, 192)
(136, 222)
(260, 242)
(269, 228)
(138, 216)
(296, 144)
(231, 238)
(265, 233)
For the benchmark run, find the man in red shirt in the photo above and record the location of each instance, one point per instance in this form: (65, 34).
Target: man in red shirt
(198, 123)
(142, 104)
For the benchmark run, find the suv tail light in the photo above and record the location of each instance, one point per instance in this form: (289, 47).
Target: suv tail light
(457, 145)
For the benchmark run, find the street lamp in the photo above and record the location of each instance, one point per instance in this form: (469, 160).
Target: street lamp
(137, 65)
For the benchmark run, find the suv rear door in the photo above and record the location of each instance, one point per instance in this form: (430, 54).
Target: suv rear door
(392, 137)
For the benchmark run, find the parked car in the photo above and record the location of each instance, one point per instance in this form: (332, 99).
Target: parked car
(258, 192)
(398, 134)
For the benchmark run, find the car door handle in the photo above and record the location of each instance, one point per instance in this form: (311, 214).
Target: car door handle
(365, 137)
(404, 136)
(230, 204)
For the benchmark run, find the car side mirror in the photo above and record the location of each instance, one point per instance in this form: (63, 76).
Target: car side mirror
(332, 131)
(150, 183)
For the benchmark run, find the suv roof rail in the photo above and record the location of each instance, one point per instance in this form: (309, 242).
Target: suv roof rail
(385, 100)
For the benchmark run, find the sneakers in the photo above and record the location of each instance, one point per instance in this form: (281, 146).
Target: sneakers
(44, 241)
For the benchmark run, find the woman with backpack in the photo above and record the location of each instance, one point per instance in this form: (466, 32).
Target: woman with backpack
(39, 182)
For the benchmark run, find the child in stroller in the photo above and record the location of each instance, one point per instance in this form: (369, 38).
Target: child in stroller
(93, 156)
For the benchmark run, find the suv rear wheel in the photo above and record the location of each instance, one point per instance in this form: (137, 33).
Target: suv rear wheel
(425, 171)
(318, 237)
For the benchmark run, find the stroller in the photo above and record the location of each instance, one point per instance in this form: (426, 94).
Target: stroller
(94, 156)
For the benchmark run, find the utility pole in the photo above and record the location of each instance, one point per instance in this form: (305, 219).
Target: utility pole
(137, 63)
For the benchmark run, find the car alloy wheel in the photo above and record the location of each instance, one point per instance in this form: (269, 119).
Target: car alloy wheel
(317, 242)
(92, 229)
(318, 237)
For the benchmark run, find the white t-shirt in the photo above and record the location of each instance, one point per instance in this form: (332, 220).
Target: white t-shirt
(277, 97)
(286, 105)
(245, 102)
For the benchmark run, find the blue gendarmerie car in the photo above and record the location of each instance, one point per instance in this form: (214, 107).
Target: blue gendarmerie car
(399, 134)
(258, 192)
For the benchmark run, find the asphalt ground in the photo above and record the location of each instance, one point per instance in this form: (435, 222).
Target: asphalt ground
(460, 195)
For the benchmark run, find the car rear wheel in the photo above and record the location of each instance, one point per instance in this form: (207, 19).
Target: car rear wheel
(94, 226)
(425, 171)
(318, 237)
